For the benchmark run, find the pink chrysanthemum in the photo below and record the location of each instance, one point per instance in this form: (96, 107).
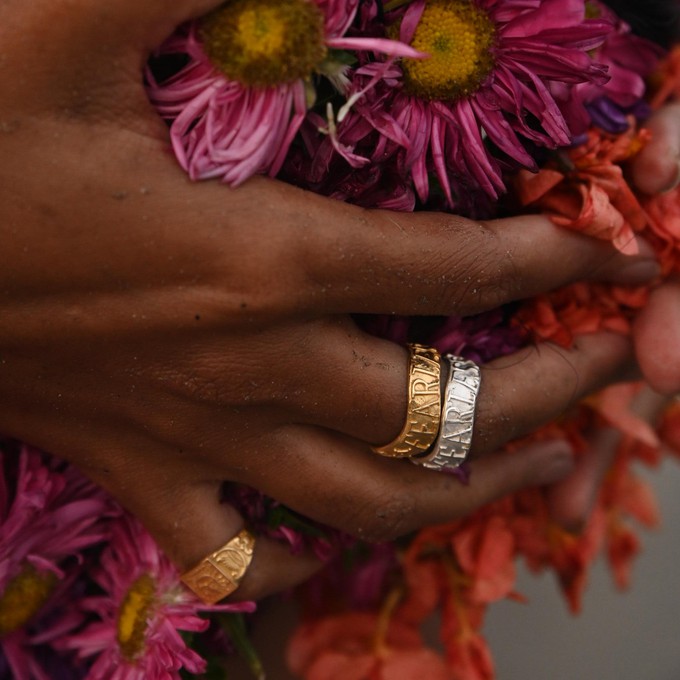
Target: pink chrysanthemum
(49, 514)
(241, 98)
(629, 59)
(145, 606)
(483, 98)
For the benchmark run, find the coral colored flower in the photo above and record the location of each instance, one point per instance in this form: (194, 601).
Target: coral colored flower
(667, 79)
(623, 545)
(485, 549)
(141, 614)
(669, 429)
(470, 657)
(425, 572)
(49, 514)
(571, 556)
(614, 404)
(663, 214)
(474, 107)
(590, 194)
(238, 103)
(359, 646)
(578, 309)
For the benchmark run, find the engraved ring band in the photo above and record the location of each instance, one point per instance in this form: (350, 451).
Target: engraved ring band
(219, 574)
(453, 442)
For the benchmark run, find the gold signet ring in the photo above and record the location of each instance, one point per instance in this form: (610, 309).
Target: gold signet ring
(219, 574)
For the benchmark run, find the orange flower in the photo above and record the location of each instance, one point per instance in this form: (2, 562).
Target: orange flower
(424, 586)
(359, 646)
(624, 493)
(622, 547)
(580, 308)
(667, 80)
(485, 549)
(614, 405)
(669, 429)
(572, 555)
(470, 657)
(588, 193)
(663, 212)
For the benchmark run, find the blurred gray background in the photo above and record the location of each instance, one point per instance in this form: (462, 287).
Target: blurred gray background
(618, 636)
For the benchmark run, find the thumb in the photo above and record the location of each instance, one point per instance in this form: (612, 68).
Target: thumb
(143, 24)
(151, 20)
(656, 333)
(657, 167)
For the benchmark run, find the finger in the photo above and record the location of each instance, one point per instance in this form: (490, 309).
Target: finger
(657, 167)
(428, 263)
(345, 380)
(361, 389)
(525, 390)
(189, 523)
(305, 254)
(339, 482)
(572, 499)
(656, 332)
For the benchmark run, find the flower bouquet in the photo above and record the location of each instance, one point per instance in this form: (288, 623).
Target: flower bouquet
(485, 108)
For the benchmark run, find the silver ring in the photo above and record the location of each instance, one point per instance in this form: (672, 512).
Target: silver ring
(453, 443)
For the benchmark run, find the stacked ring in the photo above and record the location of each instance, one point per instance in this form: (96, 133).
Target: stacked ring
(219, 574)
(455, 437)
(424, 406)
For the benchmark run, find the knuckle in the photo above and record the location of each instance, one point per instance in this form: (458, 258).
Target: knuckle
(484, 272)
(384, 519)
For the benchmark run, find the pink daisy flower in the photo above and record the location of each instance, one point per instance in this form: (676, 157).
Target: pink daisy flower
(629, 59)
(49, 514)
(483, 99)
(239, 101)
(141, 613)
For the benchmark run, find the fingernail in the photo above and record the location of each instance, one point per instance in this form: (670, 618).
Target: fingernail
(554, 462)
(638, 271)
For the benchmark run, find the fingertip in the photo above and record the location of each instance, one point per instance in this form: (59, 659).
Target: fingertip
(656, 169)
(536, 464)
(549, 462)
(656, 333)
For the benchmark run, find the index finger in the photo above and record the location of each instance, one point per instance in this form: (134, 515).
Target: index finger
(357, 260)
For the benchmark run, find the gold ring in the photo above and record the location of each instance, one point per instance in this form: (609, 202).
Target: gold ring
(219, 574)
(423, 416)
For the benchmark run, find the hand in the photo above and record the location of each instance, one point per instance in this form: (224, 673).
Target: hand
(165, 336)
(657, 330)
(656, 333)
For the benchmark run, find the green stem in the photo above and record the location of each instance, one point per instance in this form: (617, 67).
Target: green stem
(235, 627)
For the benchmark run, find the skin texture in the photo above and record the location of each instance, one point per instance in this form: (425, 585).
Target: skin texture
(167, 336)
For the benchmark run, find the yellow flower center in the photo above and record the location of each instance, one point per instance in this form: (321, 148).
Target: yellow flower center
(458, 36)
(24, 596)
(261, 43)
(133, 616)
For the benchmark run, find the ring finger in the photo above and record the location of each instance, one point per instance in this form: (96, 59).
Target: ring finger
(360, 387)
